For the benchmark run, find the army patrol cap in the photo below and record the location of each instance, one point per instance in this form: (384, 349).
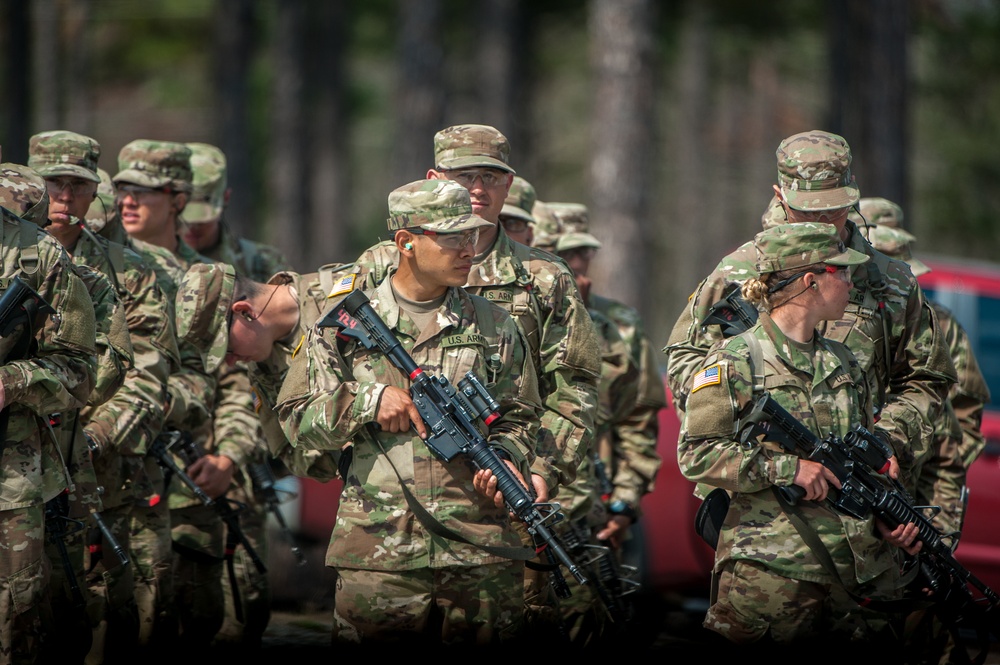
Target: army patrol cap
(23, 192)
(443, 206)
(59, 153)
(792, 246)
(547, 227)
(814, 171)
(882, 212)
(897, 243)
(155, 164)
(467, 146)
(203, 301)
(208, 168)
(520, 200)
(574, 226)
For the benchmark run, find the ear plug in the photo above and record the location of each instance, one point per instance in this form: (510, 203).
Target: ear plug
(408, 245)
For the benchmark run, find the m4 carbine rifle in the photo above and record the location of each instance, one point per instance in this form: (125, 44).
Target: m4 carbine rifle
(452, 417)
(265, 488)
(860, 460)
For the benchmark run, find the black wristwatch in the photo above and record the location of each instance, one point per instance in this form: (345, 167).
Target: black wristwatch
(619, 507)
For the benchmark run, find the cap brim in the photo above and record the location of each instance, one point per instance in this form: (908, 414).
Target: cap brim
(56, 170)
(201, 212)
(849, 258)
(828, 199)
(456, 224)
(472, 161)
(577, 240)
(142, 178)
(513, 211)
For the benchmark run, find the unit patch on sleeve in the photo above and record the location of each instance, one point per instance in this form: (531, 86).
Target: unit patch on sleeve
(345, 285)
(710, 376)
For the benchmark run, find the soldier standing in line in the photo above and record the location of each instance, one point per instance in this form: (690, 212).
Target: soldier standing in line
(408, 576)
(515, 217)
(120, 431)
(542, 296)
(205, 230)
(54, 372)
(73, 607)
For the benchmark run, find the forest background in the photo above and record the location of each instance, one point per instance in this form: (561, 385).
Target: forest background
(661, 116)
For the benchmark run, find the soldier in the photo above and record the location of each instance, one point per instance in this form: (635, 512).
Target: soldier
(772, 585)
(441, 581)
(120, 431)
(48, 368)
(540, 294)
(888, 324)
(515, 217)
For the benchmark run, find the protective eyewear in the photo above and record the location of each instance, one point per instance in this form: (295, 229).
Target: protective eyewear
(514, 224)
(456, 240)
(138, 192)
(77, 186)
(467, 177)
(826, 269)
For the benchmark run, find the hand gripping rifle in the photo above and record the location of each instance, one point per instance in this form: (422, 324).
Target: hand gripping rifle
(451, 416)
(164, 447)
(860, 460)
(20, 306)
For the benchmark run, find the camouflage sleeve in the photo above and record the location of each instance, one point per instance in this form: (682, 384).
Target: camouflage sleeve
(60, 376)
(707, 451)
(236, 428)
(921, 375)
(971, 394)
(570, 368)
(133, 417)
(114, 348)
(191, 392)
(941, 476)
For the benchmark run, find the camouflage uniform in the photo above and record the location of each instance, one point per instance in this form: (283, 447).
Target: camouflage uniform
(888, 323)
(57, 378)
(379, 545)
(772, 586)
(72, 606)
(120, 430)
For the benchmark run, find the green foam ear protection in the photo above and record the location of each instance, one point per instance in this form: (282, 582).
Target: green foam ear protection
(408, 245)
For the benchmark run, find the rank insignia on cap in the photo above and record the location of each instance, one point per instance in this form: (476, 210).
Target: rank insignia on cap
(710, 376)
(345, 285)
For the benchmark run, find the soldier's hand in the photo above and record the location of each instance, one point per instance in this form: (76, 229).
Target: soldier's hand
(213, 474)
(615, 530)
(486, 483)
(541, 488)
(815, 479)
(903, 536)
(396, 412)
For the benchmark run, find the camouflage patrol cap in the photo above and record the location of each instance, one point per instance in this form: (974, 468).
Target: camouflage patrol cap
(520, 200)
(574, 226)
(102, 216)
(435, 205)
(882, 212)
(896, 243)
(208, 167)
(547, 226)
(203, 301)
(155, 164)
(814, 171)
(466, 146)
(60, 152)
(791, 246)
(23, 192)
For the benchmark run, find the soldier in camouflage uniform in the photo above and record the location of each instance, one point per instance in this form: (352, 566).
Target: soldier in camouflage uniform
(120, 431)
(888, 325)
(772, 587)
(102, 216)
(73, 607)
(541, 295)
(56, 376)
(515, 217)
(206, 231)
(401, 576)
(623, 462)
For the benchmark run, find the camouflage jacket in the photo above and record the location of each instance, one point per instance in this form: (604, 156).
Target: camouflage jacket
(57, 377)
(253, 260)
(541, 294)
(330, 398)
(809, 381)
(126, 424)
(632, 459)
(888, 326)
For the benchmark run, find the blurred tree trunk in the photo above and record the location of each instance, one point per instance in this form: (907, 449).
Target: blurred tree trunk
(46, 70)
(234, 30)
(286, 172)
(74, 52)
(15, 31)
(419, 102)
(503, 46)
(329, 225)
(869, 75)
(624, 135)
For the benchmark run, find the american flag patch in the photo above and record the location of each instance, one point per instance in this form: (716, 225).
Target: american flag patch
(345, 285)
(710, 376)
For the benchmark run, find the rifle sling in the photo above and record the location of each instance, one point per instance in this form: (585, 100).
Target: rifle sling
(434, 526)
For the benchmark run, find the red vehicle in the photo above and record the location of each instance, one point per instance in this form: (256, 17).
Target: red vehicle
(675, 561)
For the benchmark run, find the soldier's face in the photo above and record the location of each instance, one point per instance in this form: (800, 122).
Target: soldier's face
(201, 236)
(145, 212)
(487, 188)
(518, 229)
(441, 265)
(69, 197)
